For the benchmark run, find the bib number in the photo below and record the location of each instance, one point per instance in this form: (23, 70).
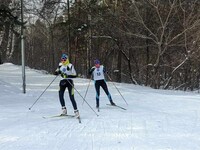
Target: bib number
(98, 74)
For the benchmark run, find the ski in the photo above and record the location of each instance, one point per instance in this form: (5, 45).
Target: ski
(61, 115)
(117, 106)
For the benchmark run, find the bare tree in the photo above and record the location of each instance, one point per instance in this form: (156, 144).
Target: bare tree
(9, 24)
(163, 31)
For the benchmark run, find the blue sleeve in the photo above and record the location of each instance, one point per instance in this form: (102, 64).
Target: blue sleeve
(104, 69)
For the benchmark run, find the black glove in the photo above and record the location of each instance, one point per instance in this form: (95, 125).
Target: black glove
(56, 73)
(91, 70)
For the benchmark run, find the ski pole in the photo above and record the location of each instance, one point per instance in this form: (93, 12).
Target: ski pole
(116, 88)
(42, 93)
(86, 90)
(83, 98)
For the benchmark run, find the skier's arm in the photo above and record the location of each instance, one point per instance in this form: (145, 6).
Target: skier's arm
(91, 70)
(57, 71)
(72, 72)
(104, 70)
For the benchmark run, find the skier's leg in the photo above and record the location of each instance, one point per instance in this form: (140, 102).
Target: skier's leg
(105, 88)
(97, 88)
(61, 92)
(71, 94)
(61, 96)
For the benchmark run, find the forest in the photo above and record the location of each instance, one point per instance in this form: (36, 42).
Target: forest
(154, 43)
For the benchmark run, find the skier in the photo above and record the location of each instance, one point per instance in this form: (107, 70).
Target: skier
(98, 75)
(67, 72)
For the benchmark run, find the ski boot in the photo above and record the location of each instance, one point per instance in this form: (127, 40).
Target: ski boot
(97, 104)
(64, 111)
(77, 113)
(112, 103)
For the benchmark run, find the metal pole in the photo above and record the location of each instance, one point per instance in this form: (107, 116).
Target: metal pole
(22, 49)
(89, 47)
(42, 93)
(117, 88)
(86, 90)
(83, 98)
(69, 26)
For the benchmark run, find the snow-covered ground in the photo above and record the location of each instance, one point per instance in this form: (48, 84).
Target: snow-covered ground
(154, 119)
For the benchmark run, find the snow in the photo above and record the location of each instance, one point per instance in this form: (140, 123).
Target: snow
(154, 119)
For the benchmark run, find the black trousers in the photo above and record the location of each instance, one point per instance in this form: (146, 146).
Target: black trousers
(98, 84)
(67, 83)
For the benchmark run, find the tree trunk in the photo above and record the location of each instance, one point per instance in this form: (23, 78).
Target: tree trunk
(147, 62)
(4, 43)
(119, 66)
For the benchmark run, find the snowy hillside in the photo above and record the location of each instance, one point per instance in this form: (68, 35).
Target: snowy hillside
(154, 119)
